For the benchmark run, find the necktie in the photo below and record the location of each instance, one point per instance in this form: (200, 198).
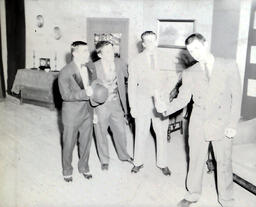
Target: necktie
(152, 62)
(206, 70)
(84, 75)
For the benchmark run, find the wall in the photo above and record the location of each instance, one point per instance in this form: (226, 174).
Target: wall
(71, 16)
(225, 28)
(230, 30)
(243, 36)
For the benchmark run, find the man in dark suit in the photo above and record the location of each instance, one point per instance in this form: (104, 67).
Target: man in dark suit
(111, 72)
(77, 114)
(215, 88)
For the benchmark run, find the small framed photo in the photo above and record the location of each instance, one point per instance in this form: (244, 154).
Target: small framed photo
(44, 63)
(172, 33)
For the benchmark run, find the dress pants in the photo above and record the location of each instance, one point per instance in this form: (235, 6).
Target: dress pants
(69, 140)
(111, 114)
(142, 132)
(198, 155)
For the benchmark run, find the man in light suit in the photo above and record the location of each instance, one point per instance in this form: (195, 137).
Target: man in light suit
(142, 84)
(214, 84)
(74, 83)
(111, 72)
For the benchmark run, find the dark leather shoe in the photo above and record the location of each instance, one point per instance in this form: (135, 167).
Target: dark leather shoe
(210, 166)
(166, 171)
(68, 179)
(87, 176)
(185, 203)
(136, 169)
(104, 166)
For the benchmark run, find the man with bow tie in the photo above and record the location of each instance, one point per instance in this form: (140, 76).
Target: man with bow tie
(215, 87)
(77, 114)
(143, 82)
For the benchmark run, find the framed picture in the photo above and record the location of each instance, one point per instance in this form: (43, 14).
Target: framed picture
(173, 33)
(44, 63)
(114, 38)
(115, 30)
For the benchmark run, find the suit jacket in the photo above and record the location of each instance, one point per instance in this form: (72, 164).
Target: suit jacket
(142, 83)
(121, 73)
(76, 105)
(217, 103)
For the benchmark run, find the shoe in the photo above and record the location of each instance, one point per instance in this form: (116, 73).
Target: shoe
(136, 169)
(185, 203)
(68, 178)
(87, 176)
(166, 171)
(104, 166)
(210, 166)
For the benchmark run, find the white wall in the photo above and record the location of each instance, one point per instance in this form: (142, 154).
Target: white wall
(70, 16)
(243, 36)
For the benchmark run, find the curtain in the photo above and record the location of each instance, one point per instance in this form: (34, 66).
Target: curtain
(2, 85)
(15, 27)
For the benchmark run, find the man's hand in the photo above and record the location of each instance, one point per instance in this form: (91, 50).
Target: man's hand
(95, 118)
(89, 91)
(230, 133)
(160, 107)
(133, 112)
(127, 119)
(159, 104)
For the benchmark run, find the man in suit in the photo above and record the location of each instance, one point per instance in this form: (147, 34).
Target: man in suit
(214, 85)
(142, 83)
(111, 72)
(74, 84)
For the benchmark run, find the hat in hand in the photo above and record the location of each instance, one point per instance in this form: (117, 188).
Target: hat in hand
(100, 92)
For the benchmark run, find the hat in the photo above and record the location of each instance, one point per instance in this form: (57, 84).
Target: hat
(100, 93)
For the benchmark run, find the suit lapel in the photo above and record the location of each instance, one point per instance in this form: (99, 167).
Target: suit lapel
(213, 83)
(77, 76)
(100, 71)
(118, 74)
(145, 61)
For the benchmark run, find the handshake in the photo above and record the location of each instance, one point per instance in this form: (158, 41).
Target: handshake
(159, 103)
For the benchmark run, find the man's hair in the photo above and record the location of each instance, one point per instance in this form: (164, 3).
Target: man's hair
(147, 33)
(102, 44)
(76, 44)
(194, 36)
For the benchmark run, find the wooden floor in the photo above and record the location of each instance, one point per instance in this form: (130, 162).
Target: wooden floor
(30, 169)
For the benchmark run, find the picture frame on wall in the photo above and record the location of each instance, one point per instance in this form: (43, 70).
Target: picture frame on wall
(113, 38)
(115, 30)
(172, 33)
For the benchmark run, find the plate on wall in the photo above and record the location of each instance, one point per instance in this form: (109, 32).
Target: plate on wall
(40, 21)
(57, 33)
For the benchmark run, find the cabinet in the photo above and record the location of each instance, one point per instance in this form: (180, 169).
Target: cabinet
(37, 87)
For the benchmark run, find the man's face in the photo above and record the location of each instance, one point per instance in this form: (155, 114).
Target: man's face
(198, 50)
(82, 54)
(149, 42)
(107, 53)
